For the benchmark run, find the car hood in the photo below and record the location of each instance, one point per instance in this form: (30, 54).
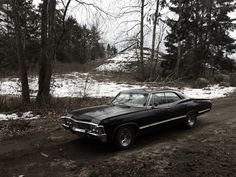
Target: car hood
(99, 113)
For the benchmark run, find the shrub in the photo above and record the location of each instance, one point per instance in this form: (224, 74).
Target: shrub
(232, 80)
(224, 84)
(201, 83)
(221, 78)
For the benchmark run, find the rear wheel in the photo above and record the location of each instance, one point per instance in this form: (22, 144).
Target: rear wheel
(191, 120)
(124, 137)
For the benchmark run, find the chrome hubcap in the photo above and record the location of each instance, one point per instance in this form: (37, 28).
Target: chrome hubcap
(125, 137)
(191, 120)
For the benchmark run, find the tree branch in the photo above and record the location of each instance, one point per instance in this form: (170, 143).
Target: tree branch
(94, 6)
(63, 23)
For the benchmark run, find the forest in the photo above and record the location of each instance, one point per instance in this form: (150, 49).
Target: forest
(197, 40)
(146, 88)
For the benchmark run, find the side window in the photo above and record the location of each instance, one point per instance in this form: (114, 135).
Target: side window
(157, 99)
(171, 97)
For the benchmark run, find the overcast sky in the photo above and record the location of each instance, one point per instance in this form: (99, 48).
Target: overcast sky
(112, 28)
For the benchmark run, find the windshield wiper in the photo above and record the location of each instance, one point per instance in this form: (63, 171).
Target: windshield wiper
(121, 104)
(124, 105)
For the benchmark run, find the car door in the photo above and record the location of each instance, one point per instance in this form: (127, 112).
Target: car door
(158, 110)
(177, 109)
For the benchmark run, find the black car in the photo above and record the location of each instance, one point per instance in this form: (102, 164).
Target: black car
(133, 111)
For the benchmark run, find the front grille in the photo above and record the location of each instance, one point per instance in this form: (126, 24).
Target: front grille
(79, 125)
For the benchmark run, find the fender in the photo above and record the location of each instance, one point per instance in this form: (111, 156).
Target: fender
(132, 124)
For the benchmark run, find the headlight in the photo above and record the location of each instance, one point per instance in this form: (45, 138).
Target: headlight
(100, 130)
(97, 129)
(65, 121)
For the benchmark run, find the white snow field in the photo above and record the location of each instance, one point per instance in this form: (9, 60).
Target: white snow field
(83, 84)
(120, 63)
(123, 62)
(23, 116)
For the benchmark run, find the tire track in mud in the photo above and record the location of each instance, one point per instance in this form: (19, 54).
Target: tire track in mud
(207, 150)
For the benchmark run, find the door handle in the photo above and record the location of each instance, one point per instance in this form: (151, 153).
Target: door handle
(168, 108)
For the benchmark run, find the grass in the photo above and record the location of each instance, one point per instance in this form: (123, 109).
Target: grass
(57, 106)
(58, 68)
(62, 68)
(9, 104)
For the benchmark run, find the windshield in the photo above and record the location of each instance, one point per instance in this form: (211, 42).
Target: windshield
(131, 99)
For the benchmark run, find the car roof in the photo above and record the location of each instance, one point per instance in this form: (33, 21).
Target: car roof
(147, 91)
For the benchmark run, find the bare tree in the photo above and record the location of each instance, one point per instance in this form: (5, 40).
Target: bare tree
(154, 36)
(143, 28)
(135, 30)
(47, 50)
(160, 39)
(157, 40)
(154, 29)
(179, 43)
(16, 12)
(49, 45)
(142, 38)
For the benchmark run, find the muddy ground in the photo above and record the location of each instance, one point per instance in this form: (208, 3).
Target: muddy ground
(42, 148)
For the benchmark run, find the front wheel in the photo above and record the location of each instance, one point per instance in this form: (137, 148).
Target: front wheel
(191, 120)
(124, 137)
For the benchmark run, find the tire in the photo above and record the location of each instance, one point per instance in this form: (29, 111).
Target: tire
(191, 120)
(124, 137)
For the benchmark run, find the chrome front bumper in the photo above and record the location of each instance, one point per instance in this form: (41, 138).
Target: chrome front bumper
(85, 132)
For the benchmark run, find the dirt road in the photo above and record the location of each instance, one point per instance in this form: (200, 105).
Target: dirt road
(45, 150)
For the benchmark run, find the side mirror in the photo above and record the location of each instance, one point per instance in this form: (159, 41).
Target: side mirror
(155, 104)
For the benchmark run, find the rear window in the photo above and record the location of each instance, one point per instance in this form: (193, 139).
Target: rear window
(172, 97)
(131, 99)
(158, 99)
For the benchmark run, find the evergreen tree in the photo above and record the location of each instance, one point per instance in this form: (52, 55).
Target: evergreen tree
(80, 44)
(19, 27)
(29, 23)
(108, 51)
(94, 42)
(111, 50)
(199, 35)
(114, 50)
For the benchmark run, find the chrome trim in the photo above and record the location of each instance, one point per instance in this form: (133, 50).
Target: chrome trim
(157, 123)
(74, 128)
(149, 100)
(78, 130)
(206, 110)
(82, 130)
(78, 121)
(66, 126)
(98, 135)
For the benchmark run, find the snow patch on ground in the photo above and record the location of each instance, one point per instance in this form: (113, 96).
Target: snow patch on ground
(69, 85)
(24, 116)
(213, 91)
(125, 61)
(119, 63)
(83, 84)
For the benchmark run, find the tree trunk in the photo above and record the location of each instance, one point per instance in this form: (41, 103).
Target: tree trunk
(141, 40)
(196, 29)
(207, 41)
(178, 58)
(49, 45)
(47, 50)
(20, 52)
(154, 39)
(176, 70)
